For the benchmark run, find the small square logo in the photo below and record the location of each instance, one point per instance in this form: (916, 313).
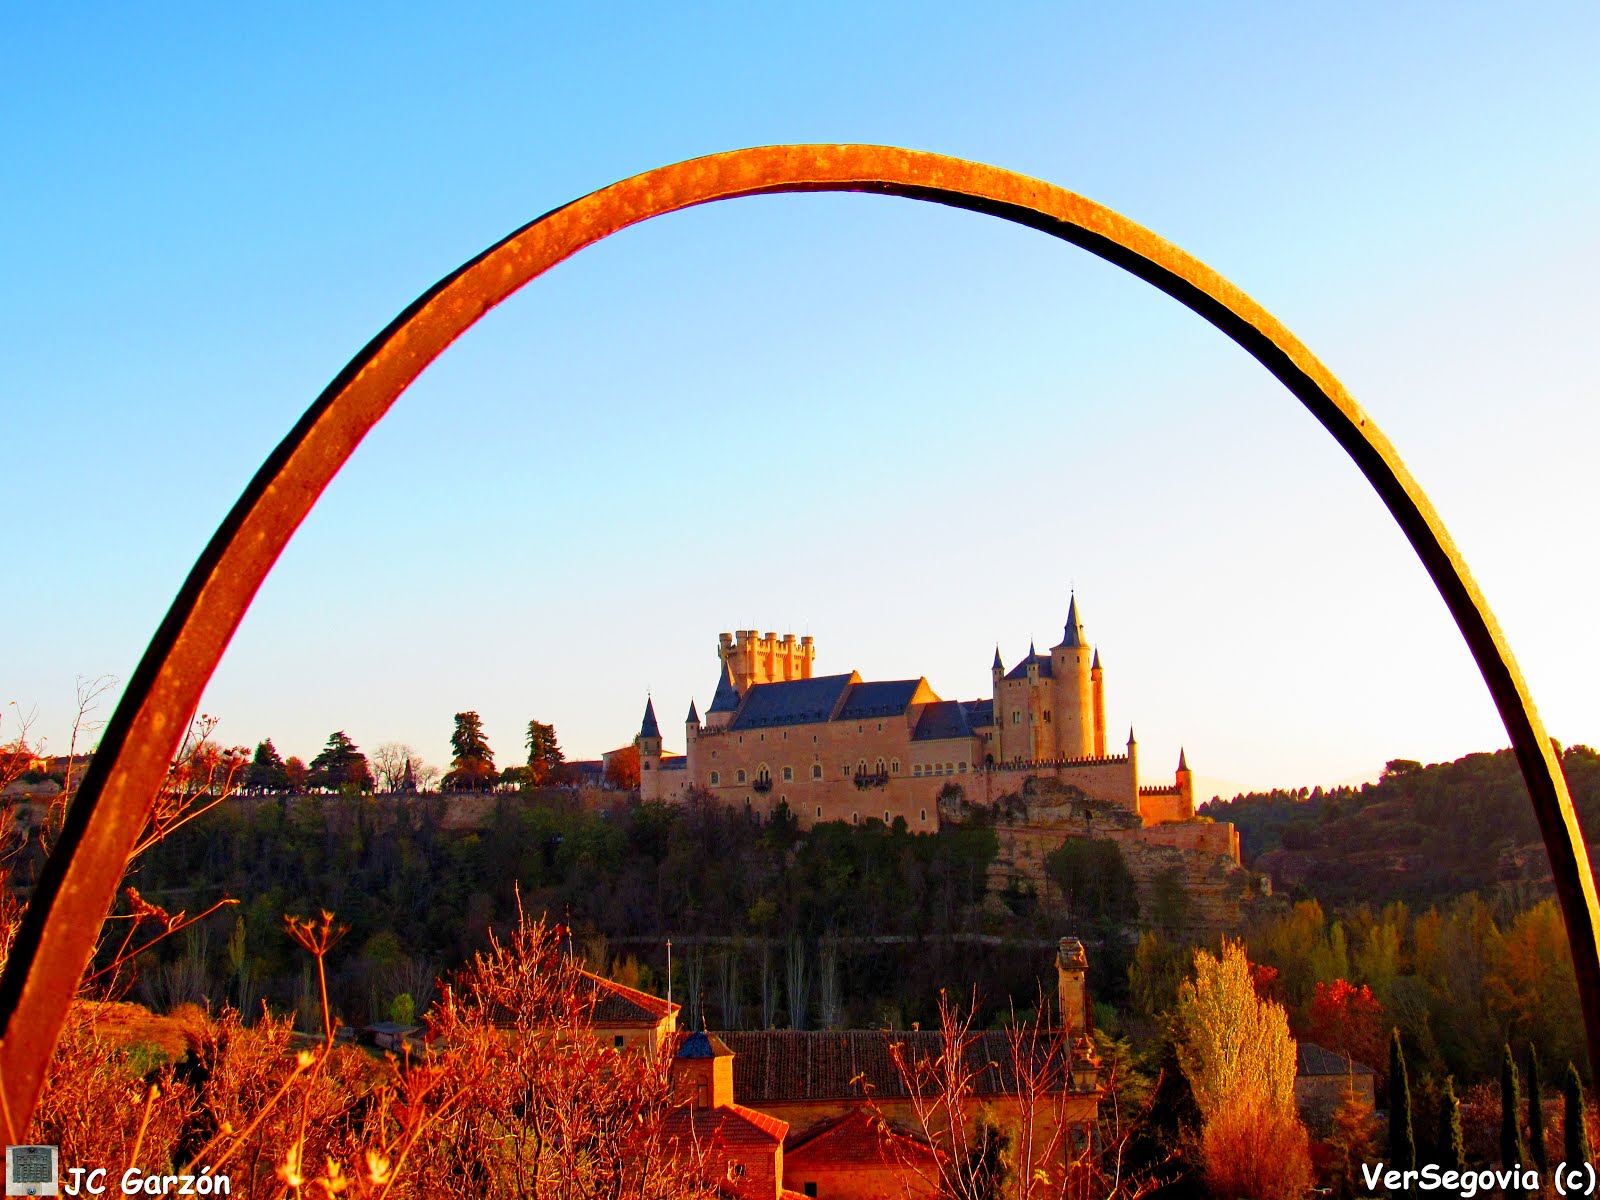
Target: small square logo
(31, 1171)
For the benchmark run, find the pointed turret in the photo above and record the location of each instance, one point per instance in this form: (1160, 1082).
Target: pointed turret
(1095, 665)
(694, 717)
(648, 727)
(1132, 741)
(1073, 635)
(1185, 784)
(1183, 760)
(998, 665)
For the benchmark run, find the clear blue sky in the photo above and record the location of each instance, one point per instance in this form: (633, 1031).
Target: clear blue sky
(905, 430)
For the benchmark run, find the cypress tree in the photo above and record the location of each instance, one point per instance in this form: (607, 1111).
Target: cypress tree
(1513, 1152)
(1577, 1136)
(1536, 1144)
(1452, 1147)
(1402, 1146)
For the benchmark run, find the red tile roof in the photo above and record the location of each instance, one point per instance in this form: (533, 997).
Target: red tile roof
(616, 1004)
(855, 1140)
(727, 1127)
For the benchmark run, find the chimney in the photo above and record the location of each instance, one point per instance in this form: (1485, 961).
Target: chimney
(1072, 968)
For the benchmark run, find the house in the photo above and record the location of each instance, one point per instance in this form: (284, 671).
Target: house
(1323, 1078)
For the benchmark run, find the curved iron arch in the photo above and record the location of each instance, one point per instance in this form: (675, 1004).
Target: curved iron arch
(79, 880)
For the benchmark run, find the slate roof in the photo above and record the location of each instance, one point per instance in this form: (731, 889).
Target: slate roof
(703, 1045)
(693, 718)
(943, 719)
(1073, 634)
(1312, 1059)
(979, 712)
(679, 762)
(1020, 671)
(854, 1140)
(796, 702)
(776, 1065)
(648, 727)
(887, 698)
(726, 698)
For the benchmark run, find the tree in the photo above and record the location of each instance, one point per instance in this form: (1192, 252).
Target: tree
(1347, 1020)
(472, 768)
(266, 772)
(1402, 1143)
(544, 753)
(1352, 1140)
(340, 766)
(296, 775)
(622, 767)
(1536, 1141)
(396, 763)
(1513, 1151)
(1576, 1134)
(1236, 1050)
(1452, 1153)
(1095, 882)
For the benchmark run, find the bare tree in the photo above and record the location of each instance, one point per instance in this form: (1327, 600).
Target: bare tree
(829, 1001)
(391, 761)
(799, 984)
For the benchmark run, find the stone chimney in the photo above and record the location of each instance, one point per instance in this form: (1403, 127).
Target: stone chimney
(1072, 969)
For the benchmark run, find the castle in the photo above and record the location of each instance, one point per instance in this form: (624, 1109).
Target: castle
(839, 748)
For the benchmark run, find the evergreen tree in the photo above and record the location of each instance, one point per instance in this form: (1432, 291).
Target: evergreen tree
(544, 753)
(1536, 1144)
(1577, 1135)
(472, 768)
(1402, 1145)
(266, 772)
(340, 766)
(1513, 1151)
(1452, 1146)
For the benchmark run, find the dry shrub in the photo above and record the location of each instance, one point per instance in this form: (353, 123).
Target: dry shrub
(1253, 1152)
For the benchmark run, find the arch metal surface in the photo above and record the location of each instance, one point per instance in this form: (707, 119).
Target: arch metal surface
(79, 881)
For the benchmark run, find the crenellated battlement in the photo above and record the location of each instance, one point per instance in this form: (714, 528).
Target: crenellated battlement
(1037, 763)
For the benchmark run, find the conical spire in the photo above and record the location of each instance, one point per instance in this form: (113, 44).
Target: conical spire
(1131, 740)
(693, 718)
(998, 665)
(648, 727)
(1183, 761)
(1073, 636)
(726, 697)
(1095, 665)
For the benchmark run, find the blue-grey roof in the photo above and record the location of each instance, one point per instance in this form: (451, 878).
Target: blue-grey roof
(1020, 671)
(1073, 636)
(795, 702)
(944, 719)
(648, 727)
(998, 665)
(726, 699)
(693, 718)
(979, 712)
(703, 1045)
(681, 763)
(887, 698)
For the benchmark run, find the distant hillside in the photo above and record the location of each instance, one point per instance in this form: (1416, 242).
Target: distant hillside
(1422, 834)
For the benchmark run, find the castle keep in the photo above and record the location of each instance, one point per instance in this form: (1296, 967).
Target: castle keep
(840, 748)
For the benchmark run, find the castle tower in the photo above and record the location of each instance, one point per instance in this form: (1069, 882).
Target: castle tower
(998, 671)
(1185, 782)
(725, 700)
(1098, 682)
(649, 739)
(691, 733)
(1074, 690)
(751, 658)
(1133, 762)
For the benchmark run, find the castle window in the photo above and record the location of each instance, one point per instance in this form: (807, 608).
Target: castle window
(816, 770)
(788, 774)
(819, 812)
(1033, 718)
(949, 768)
(894, 766)
(880, 767)
(916, 769)
(886, 820)
(880, 726)
(617, 1042)
(811, 1189)
(713, 754)
(1047, 716)
(861, 728)
(786, 735)
(861, 767)
(741, 776)
(716, 778)
(963, 767)
(1016, 717)
(924, 816)
(855, 818)
(646, 766)
(813, 739)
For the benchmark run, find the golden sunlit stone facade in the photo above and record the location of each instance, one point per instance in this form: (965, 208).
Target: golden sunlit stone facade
(840, 748)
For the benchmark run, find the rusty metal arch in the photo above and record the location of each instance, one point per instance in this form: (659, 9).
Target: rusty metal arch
(79, 881)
